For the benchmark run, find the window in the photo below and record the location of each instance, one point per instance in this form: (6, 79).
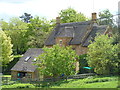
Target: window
(60, 42)
(27, 58)
(34, 60)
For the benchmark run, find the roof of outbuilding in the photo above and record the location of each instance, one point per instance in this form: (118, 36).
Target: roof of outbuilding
(28, 66)
(76, 30)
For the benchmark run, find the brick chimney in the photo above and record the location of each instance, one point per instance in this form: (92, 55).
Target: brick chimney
(94, 16)
(57, 20)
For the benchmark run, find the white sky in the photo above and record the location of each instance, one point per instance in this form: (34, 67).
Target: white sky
(51, 8)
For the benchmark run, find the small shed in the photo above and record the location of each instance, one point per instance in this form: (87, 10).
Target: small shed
(25, 67)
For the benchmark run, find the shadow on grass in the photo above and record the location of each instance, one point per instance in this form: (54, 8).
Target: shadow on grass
(55, 83)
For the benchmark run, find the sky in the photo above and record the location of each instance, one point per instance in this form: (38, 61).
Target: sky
(50, 8)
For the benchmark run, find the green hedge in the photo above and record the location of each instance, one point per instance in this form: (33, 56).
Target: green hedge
(19, 85)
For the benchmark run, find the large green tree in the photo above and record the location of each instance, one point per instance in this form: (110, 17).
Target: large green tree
(106, 17)
(26, 17)
(56, 61)
(5, 49)
(71, 15)
(17, 33)
(16, 29)
(38, 30)
(103, 55)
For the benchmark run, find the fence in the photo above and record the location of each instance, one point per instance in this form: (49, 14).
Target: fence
(45, 81)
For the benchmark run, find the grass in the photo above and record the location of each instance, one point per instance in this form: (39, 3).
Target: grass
(19, 85)
(100, 82)
(79, 84)
(90, 82)
(6, 76)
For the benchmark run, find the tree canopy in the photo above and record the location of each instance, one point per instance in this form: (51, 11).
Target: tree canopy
(38, 30)
(103, 55)
(56, 61)
(16, 30)
(26, 17)
(71, 15)
(5, 48)
(106, 18)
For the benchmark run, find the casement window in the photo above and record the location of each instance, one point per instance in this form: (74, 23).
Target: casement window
(34, 60)
(60, 42)
(27, 58)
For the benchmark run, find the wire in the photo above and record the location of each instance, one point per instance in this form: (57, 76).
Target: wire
(89, 20)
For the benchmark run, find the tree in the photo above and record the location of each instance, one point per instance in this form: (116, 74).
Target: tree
(4, 25)
(56, 61)
(106, 18)
(38, 30)
(103, 55)
(26, 17)
(6, 48)
(16, 30)
(70, 15)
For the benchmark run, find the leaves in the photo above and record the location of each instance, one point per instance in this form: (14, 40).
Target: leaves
(70, 15)
(102, 54)
(6, 48)
(57, 60)
(106, 17)
(16, 30)
(38, 30)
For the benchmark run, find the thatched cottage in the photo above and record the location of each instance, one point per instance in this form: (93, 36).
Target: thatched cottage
(76, 34)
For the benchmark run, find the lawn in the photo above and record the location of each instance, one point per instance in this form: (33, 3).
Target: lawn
(90, 82)
(6, 75)
(80, 84)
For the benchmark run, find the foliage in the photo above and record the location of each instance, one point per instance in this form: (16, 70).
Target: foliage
(95, 82)
(38, 30)
(4, 25)
(17, 31)
(71, 15)
(26, 17)
(19, 40)
(106, 17)
(5, 48)
(19, 85)
(56, 61)
(7, 70)
(103, 55)
(6, 76)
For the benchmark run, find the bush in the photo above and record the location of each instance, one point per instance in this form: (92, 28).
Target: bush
(19, 85)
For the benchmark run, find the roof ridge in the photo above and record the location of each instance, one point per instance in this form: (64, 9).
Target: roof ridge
(75, 22)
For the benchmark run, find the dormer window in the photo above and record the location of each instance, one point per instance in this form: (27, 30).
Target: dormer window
(60, 42)
(35, 60)
(68, 27)
(27, 58)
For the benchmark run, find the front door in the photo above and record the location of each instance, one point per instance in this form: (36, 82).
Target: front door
(21, 74)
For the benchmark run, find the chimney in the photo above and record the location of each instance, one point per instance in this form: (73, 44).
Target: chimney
(57, 20)
(94, 16)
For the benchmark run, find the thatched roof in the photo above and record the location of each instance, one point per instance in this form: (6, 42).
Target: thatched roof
(26, 63)
(77, 31)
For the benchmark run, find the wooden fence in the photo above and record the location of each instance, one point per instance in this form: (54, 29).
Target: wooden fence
(41, 81)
